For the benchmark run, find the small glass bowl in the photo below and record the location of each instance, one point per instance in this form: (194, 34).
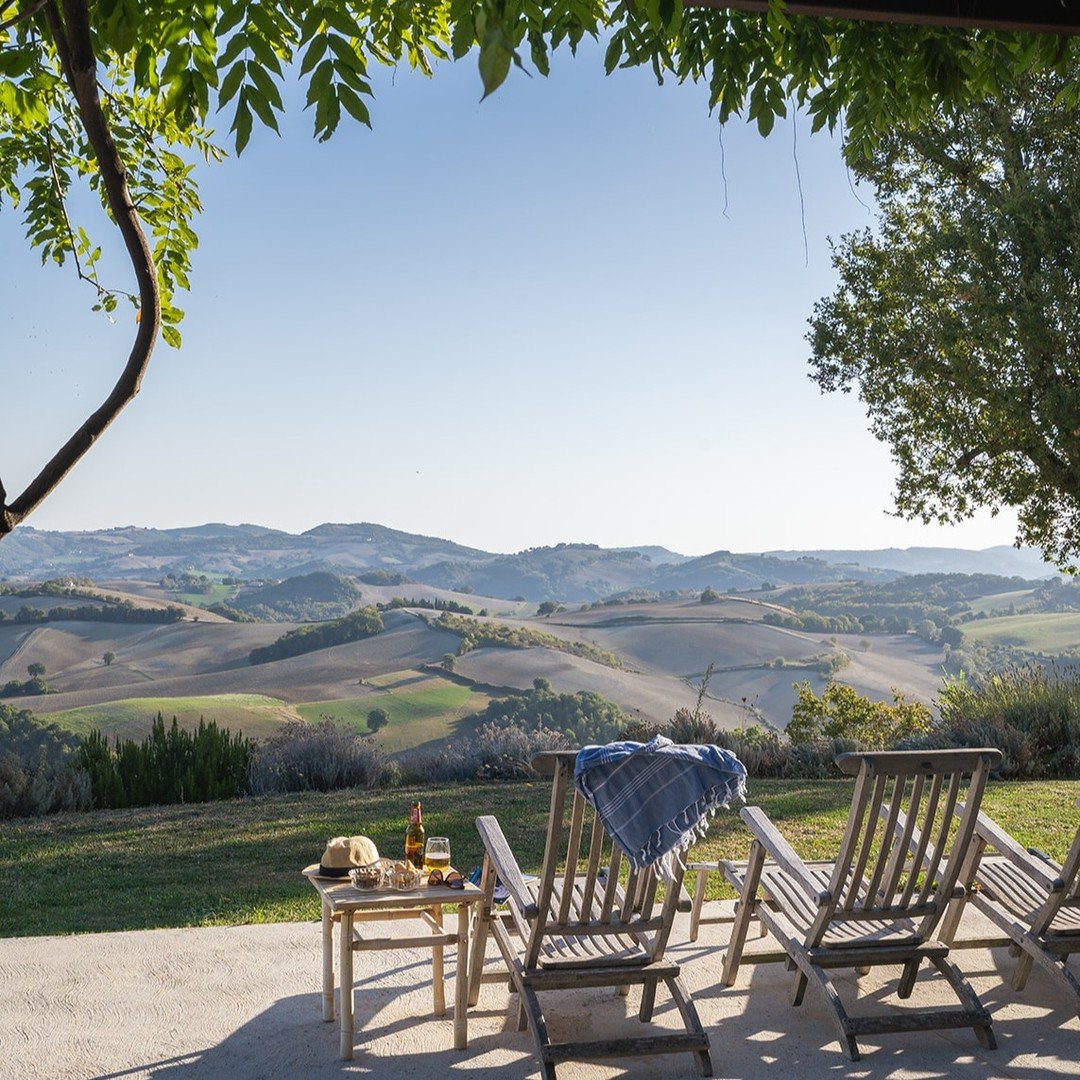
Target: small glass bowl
(404, 878)
(369, 878)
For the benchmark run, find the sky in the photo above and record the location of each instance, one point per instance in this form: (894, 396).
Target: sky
(571, 312)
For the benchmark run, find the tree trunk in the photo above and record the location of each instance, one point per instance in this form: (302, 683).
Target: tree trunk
(70, 32)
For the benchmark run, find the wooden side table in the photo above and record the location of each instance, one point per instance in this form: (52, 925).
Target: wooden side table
(352, 908)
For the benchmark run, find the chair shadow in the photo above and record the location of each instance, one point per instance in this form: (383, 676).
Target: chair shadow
(778, 1035)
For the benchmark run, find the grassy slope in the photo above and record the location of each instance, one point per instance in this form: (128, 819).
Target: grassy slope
(239, 862)
(999, 601)
(255, 714)
(1043, 633)
(421, 708)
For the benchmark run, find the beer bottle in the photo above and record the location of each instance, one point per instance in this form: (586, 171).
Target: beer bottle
(414, 837)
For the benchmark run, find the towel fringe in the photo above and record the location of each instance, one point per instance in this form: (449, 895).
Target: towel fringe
(693, 824)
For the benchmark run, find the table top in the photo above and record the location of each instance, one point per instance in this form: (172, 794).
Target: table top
(342, 895)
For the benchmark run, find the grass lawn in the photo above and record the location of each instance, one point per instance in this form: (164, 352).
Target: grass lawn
(421, 708)
(239, 861)
(1050, 633)
(256, 715)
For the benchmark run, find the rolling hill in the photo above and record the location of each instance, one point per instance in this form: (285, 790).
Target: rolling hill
(566, 572)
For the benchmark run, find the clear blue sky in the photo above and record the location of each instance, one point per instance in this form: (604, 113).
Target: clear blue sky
(509, 323)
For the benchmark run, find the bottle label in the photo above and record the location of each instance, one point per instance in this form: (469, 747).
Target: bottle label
(414, 814)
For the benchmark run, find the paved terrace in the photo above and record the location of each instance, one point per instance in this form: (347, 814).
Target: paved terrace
(243, 1002)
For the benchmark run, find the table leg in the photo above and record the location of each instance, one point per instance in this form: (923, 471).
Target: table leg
(345, 958)
(437, 977)
(461, 982)
(327, 963)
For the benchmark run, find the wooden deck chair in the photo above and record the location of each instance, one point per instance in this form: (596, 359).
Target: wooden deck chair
(868, 907)
(1030, 898)
(582, 929)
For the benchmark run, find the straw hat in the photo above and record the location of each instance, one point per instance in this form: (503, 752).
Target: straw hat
(343, 853)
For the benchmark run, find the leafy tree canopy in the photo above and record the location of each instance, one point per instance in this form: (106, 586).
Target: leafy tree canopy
(120, 95)
(958, 319)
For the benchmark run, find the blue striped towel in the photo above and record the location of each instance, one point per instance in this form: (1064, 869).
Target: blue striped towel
(656, 798)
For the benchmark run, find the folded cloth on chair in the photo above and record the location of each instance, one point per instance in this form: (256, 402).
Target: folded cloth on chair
(656, 798)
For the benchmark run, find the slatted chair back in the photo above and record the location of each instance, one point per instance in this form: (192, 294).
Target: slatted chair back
(574, 902)
(901, 853)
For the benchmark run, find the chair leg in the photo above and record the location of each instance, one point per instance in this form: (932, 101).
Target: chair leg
(743, 914)
(648, 1001)
(808, 971)
(1055, 966)
(980, 1018)
(700, 886)
(484, 914)
(1022, 971)
(798, 989)
(685, 1004)
(1066, 978)
(907, 979)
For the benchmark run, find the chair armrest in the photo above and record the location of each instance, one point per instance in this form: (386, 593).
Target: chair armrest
(997, 838)
(1040, 854)
(506, 866)
(783, 854)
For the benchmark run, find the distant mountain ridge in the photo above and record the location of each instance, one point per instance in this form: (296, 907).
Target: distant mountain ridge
(1002, 560)
(568, 572)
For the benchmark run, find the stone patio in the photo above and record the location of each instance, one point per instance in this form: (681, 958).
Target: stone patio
(243, 1002)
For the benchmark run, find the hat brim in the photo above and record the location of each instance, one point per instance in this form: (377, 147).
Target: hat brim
(335, 871)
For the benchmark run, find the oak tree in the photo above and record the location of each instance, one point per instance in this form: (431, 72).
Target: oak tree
(958, 319)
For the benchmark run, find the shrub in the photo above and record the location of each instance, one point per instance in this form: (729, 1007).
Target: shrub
(1029, 713)
(842, 713)
(170, 765)
(691, 726)
(377, 718)
(709, 596)
(39, 770)
(496, 752)
(316, 757)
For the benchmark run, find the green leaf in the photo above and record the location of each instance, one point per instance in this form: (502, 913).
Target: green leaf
(231, 83)
(242, 123)
(265, 85)
(171, 336)
(613, 54)
(495, 61)
(353, 105)
(314, 53)
(262, 108)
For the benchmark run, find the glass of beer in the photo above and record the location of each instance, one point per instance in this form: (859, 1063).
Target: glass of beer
(437, 854)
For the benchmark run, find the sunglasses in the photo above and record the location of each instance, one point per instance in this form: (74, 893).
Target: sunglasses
(453, 880)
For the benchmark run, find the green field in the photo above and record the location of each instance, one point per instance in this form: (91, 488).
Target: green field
(1049, 633)
(422, 708)
(239, 861)
(256, 715)
(218, 594)
(999, 601)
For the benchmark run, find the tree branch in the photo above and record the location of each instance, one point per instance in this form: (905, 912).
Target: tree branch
(71, 36)
(22, 16)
